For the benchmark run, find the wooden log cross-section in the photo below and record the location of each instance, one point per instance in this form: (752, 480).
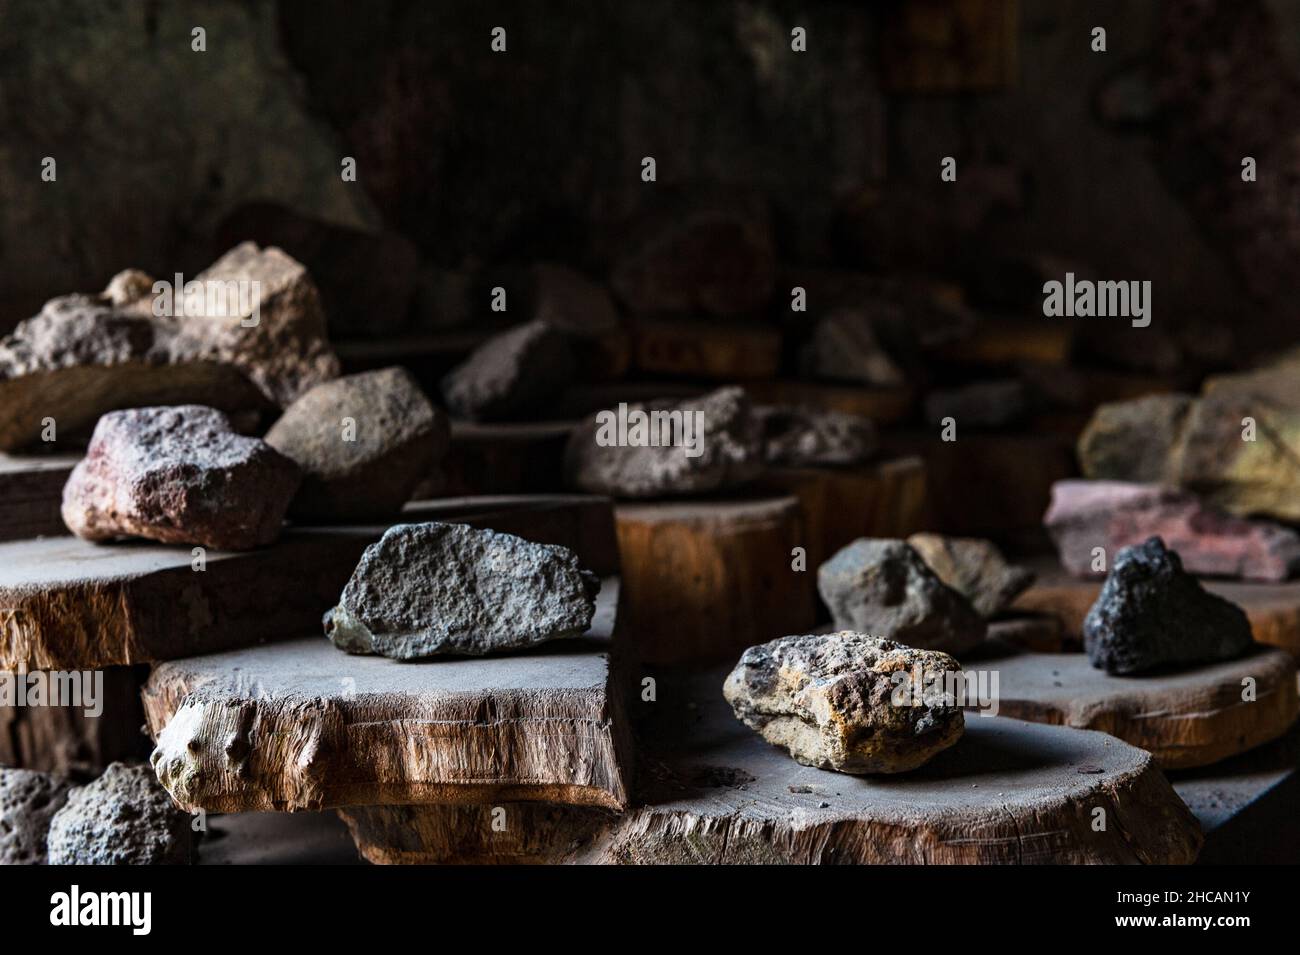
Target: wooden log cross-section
(31, 491)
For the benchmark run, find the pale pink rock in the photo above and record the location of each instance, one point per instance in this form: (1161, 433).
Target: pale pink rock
(1117, 514)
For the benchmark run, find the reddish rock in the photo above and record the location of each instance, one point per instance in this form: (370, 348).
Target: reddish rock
(179, 475)
(1118, 514)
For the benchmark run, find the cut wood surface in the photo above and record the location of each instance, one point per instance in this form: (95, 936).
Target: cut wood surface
(1003, 343)
(1193, 718)
(31, 491)
(66, 603)
(704, 579)
(302, 725)
(715, 792)
(1273, 609)
(504, 458)
(884, 406)
(714, 350)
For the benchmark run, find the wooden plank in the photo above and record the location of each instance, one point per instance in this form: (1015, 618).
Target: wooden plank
(484, 458)
(31, 492)
(884, 406)
(713, 350)
(947, 46)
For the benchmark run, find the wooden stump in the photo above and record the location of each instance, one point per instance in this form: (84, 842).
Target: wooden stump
(884, 406)
(1193, 718)
(712, 350)
(1273, 609)
(1007, 343)
(703, 580)
(303, 725)
(31, 492)
(523, 458)
(839, 505)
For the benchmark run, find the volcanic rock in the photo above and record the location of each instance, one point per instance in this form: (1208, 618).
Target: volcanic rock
(430, 589)
(1152, 614)
(830, 699)
(28, 801)
(984, 404)
(883, 587)
(801, 437)
(844, 347)
(716, 443)
(363, 442)
(123, 818)
(975, 568)
(511, 375)
(179, 475)
(1117, 514)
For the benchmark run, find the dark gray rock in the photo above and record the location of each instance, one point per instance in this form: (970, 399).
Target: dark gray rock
(28, 801)
(983, 404)
(882, 587)
(830, 700)
(800, 437)
(512, 375)
(431, 589)
(123, 818)
(845, 347)
(1151, 614)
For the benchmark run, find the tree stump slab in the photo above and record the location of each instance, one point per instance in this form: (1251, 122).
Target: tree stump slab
(31, 492)
(884, 406)
(302, 725)
(1187, 719)
(503, 458)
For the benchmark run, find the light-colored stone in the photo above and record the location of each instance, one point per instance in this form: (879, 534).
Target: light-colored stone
(802, 437)
(28, 801)
(974, 568)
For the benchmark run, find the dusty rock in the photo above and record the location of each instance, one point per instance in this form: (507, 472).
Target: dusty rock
(430, 589)
(1152, 614)
(363, 442)
(974, 568)
(584, 311)
(28, 801)
(883, 587)
(724, 429)
(830, 700)
(1135, 440)
(123, 818)
(803, 437)
(984, 404)
(1278, 382)
(844, 347)
(1118, 514)
(512, 375)
(178, 475)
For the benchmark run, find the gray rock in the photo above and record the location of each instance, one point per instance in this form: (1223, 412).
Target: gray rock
(983, 404)
(726, 435)
(800, 437)
(974, 568)
(370, 471)
(1151, 614)
(845, 347)
(1135, 440)
(830, 700)
(430, 589)
(179, 475)
(123, 818)
(883, 587)
(28, 801)
(511, 375)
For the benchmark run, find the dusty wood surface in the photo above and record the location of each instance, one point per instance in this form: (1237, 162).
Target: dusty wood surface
(839, 505)
(1187, 719)
(1040, 633)
(1006, 343)
(1273, 609)
(31, 490)
(884, 406)
(713, 350)
(1008, 792)
(66, 603)
(302, 725)
(503, 458)
(703, 580)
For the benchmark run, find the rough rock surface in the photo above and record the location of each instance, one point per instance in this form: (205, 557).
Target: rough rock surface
(178, 475)
(845, 347)
(883, 587)
(830, 700)
(1135, 440)
(430, 589)
(28, 801)
(512, 375)
(1152, 614)
(729, 441)
(984, 404)
(800, 437)
(83, 355)
(1278, 382)
(123, 818)
(974, 568)
(368, 470)
(1118, 514)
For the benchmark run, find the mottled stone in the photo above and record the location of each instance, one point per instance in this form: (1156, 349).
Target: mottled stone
(883, 587)
(123, 818)
(984, 404)
(1278, 382)
(28, 801)
(1151, 614)
(975, 568)
(837, 701)
(721, 424)
(803, 437)
(1135, 440)
(845, 347)
(179, 475)
(363, 442)
(511, 375)
(1117, 514)
(431, 589)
